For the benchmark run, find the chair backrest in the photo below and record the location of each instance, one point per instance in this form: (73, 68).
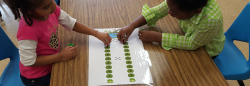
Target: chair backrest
(231, 62)
(57, 2)
(11, 73)
(6, 46)
(240, 29)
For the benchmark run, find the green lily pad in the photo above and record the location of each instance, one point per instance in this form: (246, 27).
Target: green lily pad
(107, 58)
(126, 50)
(127, 54)
(132, 80)
(130, 70)
(107, 54)
(108, 67)
(129, 66)
(108, 62)
(128, 58)
(109, 71)
(131, 75)
(129, 62)
(107, 51)
(111, 81)
(125, 43)
(125, 46)
(107, 47)
(109, 76)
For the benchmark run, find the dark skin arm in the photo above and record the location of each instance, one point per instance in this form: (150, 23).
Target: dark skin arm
(146, 36)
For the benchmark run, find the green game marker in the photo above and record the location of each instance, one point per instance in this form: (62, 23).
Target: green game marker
(142, 29)
(71, 44)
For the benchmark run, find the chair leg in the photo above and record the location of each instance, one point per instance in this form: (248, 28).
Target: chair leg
(241, 83)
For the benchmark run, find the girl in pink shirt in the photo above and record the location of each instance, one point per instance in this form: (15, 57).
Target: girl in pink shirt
(38, 38)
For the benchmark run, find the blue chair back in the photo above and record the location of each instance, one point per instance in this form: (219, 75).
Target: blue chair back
(231, 62)
(57, 2)
(240, 29)
(11, 73)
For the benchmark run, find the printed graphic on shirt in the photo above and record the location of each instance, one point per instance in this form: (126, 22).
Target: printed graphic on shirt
(54, 41)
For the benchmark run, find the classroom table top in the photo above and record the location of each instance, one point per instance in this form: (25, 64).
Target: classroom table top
(173, 67)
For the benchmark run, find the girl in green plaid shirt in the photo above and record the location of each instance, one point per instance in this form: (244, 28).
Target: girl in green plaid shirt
(201, 20)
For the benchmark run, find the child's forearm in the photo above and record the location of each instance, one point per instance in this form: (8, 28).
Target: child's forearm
(84, 29)
(45, 60)
(140, 21)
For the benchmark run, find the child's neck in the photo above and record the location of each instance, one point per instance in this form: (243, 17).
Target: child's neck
(39, 18)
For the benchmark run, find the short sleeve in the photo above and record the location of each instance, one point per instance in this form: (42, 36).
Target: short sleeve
(57, 11)
(27, 33)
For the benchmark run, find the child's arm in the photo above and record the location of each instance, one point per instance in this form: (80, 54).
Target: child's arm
(71, 24)
(104, 37)
(66, 54)
(149, 16)
(130, 28)
(29, 57)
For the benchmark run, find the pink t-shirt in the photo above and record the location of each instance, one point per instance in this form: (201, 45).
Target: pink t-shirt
(46, 35)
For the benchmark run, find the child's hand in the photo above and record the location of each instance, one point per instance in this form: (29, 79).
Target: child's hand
(150, 36)
(68, 53)
(104, 37)
(127, 30)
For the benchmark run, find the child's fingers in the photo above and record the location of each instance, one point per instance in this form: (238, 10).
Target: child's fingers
(104, 41)
(75, 47)
(119, 35)
(126, 38)
(140, 33)
(110, 39)
(68, 47)
(123, 37)
(140, 37)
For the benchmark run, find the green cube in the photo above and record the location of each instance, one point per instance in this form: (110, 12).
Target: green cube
(71, 44)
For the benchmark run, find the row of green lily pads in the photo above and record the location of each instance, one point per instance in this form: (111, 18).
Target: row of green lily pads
(128, 62)
(108, 64)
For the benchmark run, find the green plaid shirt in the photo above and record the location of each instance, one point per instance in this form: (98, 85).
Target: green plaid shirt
(204, 29)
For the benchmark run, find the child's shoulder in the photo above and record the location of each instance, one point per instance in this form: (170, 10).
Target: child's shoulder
(213, 11)
(23, 24)
(57, 11)
(25, 28)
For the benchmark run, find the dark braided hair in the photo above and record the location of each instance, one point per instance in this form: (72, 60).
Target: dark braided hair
(189, 5)
(24, 6)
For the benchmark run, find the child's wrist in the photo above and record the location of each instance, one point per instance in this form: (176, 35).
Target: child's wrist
(132, 26)
(158, 37)
(95, 34)
(60, 56)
